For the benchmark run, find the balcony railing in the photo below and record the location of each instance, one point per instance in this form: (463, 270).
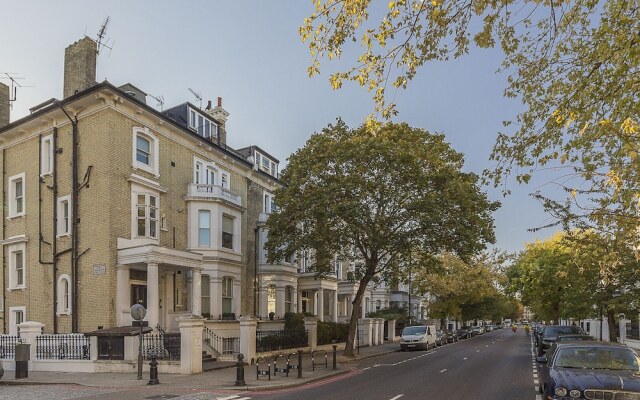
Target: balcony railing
(213, 192)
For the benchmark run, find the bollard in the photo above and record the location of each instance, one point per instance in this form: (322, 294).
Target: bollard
(153, 371)
(240, 371)
(334, 356)
(299, 363)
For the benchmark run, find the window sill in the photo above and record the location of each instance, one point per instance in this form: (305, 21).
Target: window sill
(22, 215)
(11, 289)
(146, 168)
(61, 235)
(61, 313)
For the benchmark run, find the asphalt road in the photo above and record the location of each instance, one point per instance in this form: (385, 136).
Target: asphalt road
(496, 365)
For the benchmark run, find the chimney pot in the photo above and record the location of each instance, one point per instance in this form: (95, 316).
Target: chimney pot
(208, 105)
(5, 96)
(219, 101)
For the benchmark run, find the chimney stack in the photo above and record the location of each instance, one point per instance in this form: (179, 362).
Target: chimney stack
(5, 94)
(220, 114)
(79, 66)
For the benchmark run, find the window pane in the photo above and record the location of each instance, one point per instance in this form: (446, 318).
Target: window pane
(19, 266)
(153, 232)
(142, 210)
(200, 125)
(204, 219)
(18, 186)
(141, 227)
(141, 199)
(143, 150)
(153, 200)
(227, 240)
(204, 237)
(227, 224)
(207, 129)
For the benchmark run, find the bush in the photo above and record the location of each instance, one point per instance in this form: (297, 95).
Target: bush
(330, 331)
(293, 321)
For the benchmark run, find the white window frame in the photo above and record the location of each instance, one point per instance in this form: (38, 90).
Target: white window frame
(13, 201)
(13, 325)
(147, 216)
(201, 228)
(154, 151)
(233, 232)
(46, 155)
(64, 296)
(14, 271)
(64, 227)
(268, 205)
(209, 173)
(226, 291)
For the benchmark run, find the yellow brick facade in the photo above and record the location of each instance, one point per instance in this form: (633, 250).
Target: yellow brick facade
(105, 151)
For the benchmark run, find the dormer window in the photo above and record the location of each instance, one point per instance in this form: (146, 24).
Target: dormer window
(265, 164)
(202, 125)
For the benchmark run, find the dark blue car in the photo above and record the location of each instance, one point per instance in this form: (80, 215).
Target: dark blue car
(589, 370)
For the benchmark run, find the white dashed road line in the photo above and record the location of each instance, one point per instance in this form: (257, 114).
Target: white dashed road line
(443, 370)
(397, 397)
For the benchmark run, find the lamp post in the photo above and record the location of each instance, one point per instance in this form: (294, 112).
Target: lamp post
(138, 312)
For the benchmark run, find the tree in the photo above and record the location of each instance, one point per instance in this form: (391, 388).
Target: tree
(464, 290)
(579, 274)
(575, 65)
(371, 197)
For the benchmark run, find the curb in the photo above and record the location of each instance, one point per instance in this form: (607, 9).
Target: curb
(295, 383)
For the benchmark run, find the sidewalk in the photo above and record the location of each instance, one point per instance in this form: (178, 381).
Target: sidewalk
(223, 379)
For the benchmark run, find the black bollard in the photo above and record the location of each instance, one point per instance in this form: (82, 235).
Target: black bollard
(240, 371)
(334, 356)
(153, 371)
(299, 363)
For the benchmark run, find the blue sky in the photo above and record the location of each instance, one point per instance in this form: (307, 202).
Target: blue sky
(250, 54)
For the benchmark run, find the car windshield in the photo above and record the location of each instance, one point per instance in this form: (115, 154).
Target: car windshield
(414, 330)
(553, 331)
(596, 358)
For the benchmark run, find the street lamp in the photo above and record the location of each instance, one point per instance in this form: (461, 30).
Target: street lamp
(138, 312)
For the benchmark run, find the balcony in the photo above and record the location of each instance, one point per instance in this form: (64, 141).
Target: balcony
(198, 190)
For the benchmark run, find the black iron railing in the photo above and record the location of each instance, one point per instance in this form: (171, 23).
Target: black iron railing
(280, 340)
(223, 345)
(72, 346)
(162, 345)
(8, 346)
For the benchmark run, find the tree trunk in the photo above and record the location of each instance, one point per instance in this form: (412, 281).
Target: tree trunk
(355, 314)
(613, 331)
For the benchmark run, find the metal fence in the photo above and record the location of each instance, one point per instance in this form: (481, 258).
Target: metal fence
(223, 345)
(280, 340)
(73, 346)
(163, 346)
(8, 346)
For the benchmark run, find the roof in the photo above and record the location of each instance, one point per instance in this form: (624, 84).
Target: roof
(107, 85)
(249, 150)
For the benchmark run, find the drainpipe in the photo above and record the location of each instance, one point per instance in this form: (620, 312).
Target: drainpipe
(74, 221)
(4, 230)
(255, 272)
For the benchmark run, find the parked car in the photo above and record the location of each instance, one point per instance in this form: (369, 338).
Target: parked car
(589, 369)
(464, 332)
(574, 337)
(476, 330)
(550, 335)
(441, 338)
(419, 337)
(452, 336)
(488, 328)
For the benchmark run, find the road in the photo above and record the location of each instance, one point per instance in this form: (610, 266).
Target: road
(495, 365)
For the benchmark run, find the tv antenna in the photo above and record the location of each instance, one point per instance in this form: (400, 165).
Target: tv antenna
(13, 85)
(101, 39)
(159, 99)
(197, 95)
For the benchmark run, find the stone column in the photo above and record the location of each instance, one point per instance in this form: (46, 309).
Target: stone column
(311, 326)
(237, 297)
(215, 285)
(191, 344)
(123, 295)
(279, 302)
(29, 330)
(248, 329)
(380, 330)
(196, 293)
(374, 331)
(335, 306)
(320, 313)
(365, 327)
(299, 300)
(153, 297)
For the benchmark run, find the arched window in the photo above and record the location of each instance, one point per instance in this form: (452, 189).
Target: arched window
(64, 295)
(145, 150)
